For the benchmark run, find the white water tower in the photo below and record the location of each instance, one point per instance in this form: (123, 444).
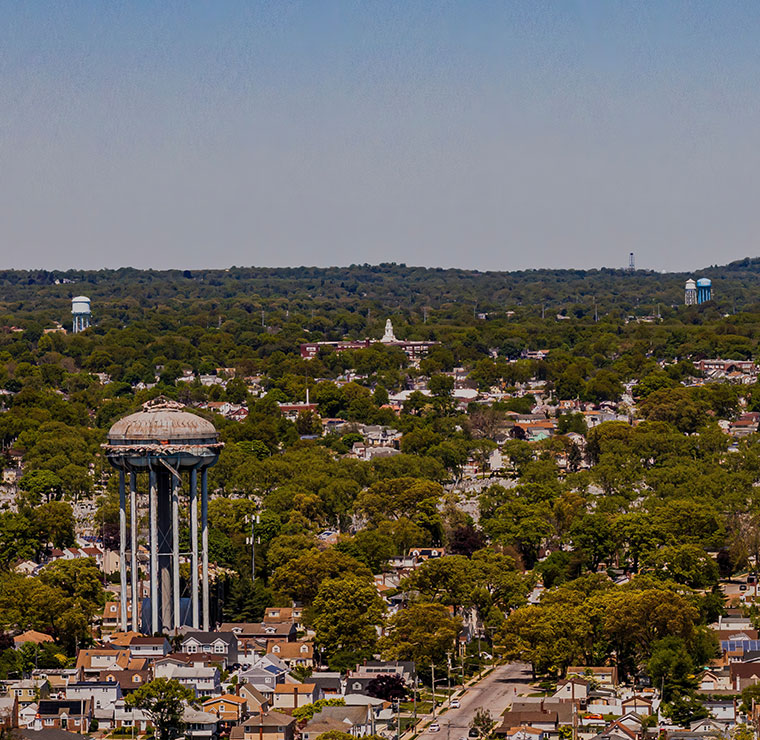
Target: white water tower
(80, 309)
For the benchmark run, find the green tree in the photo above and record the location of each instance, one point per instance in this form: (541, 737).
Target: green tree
(422, 632)
(301, 577)
(346, 612)
(164, 701)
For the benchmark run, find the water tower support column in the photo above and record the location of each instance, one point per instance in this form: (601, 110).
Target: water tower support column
(194, 544)
(204, 546)
(176, 482)
(133, 548)
(123, 551)
(153, 552)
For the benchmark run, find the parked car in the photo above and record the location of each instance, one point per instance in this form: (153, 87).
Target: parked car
(473, 733)
(435, 727)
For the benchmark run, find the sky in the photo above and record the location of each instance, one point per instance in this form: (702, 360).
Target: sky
(475, 134)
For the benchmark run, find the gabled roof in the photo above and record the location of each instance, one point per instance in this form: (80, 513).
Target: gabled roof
(267, 719)
(229, 698)
(294, 688)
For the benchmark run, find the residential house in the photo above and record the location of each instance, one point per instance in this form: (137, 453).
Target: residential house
(73, 715)
(222, 645)
(255, 700)
(128, 680)
(38, 638)
(262, 630)
(100, 693)
(545, 721)
(58, 678)
(90, 662)
(203, 680)
(289, 696)
(276, 614)
(110, 621)
(330, 683)
(712, 681)
(603, 676)
(573, 689)
(265, 726)
(250, 649)
(228, 708)
(292, 653)
(199, 725)
(264, 679)
(374, 668)
(29, 691)
(27, 716)
(119, 716)
(354, 720)
(9, 713)
(149, 647)
(744, 675)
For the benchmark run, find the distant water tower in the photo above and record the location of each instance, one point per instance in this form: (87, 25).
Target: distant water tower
(704, 290)
(80, 308)
(690, 293)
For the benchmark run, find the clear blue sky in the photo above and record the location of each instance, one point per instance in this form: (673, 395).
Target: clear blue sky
(489, 135)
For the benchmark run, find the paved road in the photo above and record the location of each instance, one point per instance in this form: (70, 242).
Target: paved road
(495, 693)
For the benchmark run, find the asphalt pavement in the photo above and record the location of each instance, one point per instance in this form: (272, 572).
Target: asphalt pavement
(495, 693)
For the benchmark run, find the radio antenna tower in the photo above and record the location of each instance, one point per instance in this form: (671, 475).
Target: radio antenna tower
(631, 263)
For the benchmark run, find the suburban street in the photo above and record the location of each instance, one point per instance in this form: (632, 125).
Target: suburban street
(495, 692)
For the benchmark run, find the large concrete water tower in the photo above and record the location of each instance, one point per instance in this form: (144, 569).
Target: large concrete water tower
(164, 441)
(80, 309)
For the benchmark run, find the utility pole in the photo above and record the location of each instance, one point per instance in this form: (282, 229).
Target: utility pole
(432, 672)
(448, 676)
(414, 692)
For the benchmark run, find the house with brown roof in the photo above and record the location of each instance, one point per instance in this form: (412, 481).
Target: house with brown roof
(265, 726)
(744, 675)
(292, 653)
(290, 696)
(127, 680)
(38, 638)
(111, 617)
(228, 708)
(256, 700)
(92, 661)
(275, 614)
(354, 720)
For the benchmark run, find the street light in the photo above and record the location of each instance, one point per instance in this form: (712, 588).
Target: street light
(254, 519)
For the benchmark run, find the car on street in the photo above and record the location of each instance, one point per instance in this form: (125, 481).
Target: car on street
(473, 733)
(435, 727)
(455, 703)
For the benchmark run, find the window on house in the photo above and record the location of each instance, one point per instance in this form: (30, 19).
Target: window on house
(48, 722)
(191, 648)
(219, 648)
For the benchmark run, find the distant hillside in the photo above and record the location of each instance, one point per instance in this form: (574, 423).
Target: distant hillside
(385, 288)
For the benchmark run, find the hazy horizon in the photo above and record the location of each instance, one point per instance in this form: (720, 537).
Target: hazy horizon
(485, 135)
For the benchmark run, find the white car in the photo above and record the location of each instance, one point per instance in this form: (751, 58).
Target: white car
(455, 703)
(435, 727)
